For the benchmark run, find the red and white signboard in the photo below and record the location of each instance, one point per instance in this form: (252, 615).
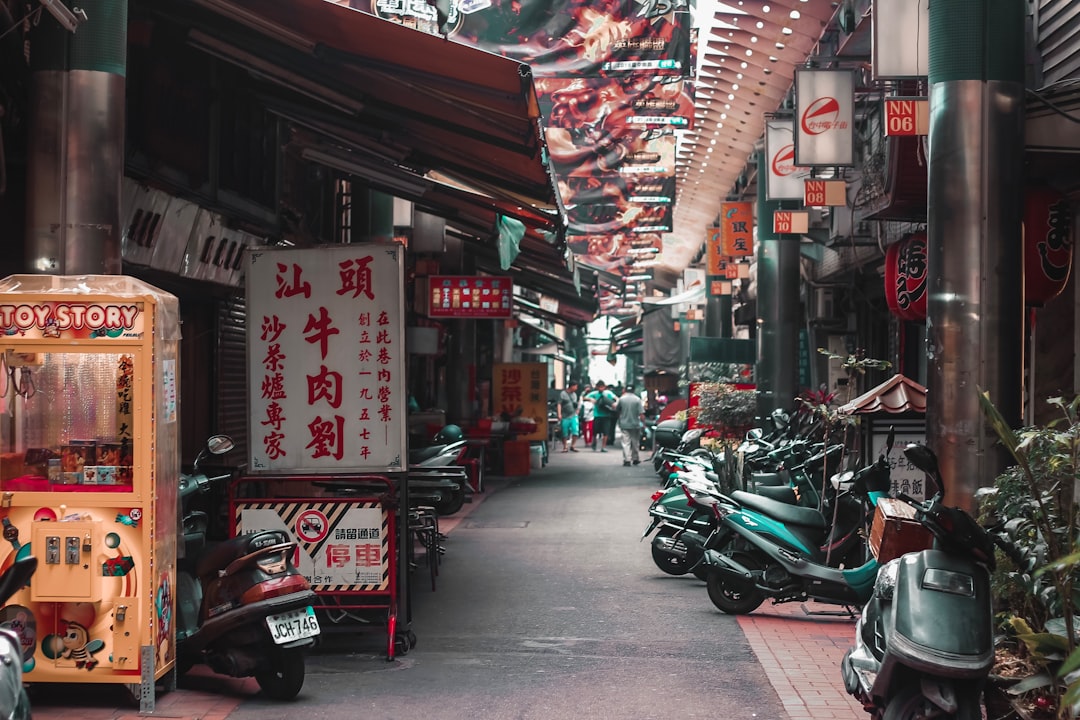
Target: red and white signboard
(824, 117)
(326, 359)
(785, 179)
(786, 222)
(470, 296)
(907, 116)
(825, 193)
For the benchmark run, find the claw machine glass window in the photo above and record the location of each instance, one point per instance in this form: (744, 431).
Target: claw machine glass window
(68, 421)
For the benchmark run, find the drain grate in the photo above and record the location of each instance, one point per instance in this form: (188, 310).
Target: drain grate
(496, 524)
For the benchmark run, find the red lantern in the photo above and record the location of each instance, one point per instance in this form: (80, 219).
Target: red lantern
(1048, 244)
(905, 277)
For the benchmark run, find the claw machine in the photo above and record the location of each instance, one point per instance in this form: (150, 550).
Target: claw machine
(88, 476)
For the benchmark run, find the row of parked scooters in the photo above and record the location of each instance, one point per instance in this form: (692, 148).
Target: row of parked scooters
(797, 529)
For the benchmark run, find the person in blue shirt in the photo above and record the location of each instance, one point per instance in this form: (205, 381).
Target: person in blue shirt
(605, 413)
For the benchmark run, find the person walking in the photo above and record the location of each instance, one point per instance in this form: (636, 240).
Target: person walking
(631, 415)
(604, 415)
(568, 416)
(588, 415)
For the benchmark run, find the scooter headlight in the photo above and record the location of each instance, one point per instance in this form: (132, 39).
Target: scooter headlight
(948, 581)
(886, 580)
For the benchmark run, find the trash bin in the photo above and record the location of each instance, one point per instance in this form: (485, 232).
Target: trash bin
(536, 456)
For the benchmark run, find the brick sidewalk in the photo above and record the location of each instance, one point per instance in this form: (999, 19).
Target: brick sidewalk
(801, 654)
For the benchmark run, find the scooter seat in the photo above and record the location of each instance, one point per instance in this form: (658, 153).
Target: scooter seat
(768, 479)
(790, 514)
(220, 555)
(779, 493)
(419, 455)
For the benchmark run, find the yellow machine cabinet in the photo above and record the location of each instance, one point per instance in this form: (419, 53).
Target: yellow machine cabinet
(89, 474)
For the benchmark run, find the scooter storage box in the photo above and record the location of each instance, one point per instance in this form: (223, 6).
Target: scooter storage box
(668, 433)
(895, 531)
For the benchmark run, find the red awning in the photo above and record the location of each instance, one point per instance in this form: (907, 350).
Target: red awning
(419, 102)
(896, 395)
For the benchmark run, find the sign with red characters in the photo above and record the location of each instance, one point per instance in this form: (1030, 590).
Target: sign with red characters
(906, 277)
(1048, 244)
(785, 179)
(469, 296)
(824, 117)
(326, 359)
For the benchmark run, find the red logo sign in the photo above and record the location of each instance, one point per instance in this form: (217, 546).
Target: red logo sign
(821, 116)
(783, 162)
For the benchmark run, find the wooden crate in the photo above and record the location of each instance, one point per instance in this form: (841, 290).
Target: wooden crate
(895, 531)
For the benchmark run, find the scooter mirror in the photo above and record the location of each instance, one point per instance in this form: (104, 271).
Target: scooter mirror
(890, 440)
(219, 444)
(923, 458)
(753, 434)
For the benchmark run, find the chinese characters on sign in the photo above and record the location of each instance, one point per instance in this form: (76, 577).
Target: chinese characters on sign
(338, 544)
(467, 296)
(326, 357)
(520, 390)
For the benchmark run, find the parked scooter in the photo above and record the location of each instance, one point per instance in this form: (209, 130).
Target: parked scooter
(242, 606)
(767, 549)
(925, 642)
(14, 704)
(435, 475)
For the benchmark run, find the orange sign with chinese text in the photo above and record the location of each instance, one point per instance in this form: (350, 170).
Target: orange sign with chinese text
(736, 229)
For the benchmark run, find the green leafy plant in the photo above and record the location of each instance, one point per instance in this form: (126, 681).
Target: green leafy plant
(1036, 500)
(725, 408)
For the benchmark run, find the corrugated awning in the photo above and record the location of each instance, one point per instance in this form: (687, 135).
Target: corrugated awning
(896, 395)
(406, 102)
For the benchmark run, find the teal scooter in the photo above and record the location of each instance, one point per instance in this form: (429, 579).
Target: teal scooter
(762, 549)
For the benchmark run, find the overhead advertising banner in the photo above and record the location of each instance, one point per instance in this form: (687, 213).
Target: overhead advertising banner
(784, 179)
(824, 117)
(326, 359)
(617, 250)
(901, 39)
(469, 296)
(560, 38)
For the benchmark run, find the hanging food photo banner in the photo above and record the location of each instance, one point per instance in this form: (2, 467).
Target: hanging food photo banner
(469, 296)
(785, 179)
(825, 117)
(1048, 244)
(905, 278)
(326, 359)
(565, 38)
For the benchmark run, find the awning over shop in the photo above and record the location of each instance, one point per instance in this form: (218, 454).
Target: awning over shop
(391, 103)
(896, 395)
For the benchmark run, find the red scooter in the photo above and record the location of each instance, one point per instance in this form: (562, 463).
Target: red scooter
(242, 606)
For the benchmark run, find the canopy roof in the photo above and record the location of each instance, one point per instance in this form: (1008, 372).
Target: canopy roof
(896, 395)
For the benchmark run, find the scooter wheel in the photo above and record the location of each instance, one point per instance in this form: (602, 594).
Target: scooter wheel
(671, 564)
(285, 676)
(453, 504)
(909, 704)
(733, 595)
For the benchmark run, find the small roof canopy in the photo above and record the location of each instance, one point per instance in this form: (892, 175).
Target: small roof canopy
(896, 395)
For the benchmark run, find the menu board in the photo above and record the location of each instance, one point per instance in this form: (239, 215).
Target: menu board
(469, 296)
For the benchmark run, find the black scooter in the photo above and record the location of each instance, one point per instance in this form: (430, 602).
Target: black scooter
(925, 642)
(14, 704)
(242, 606)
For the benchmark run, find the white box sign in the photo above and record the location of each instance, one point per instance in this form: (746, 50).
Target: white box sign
(785, 178)
(824, 117)
(326, 359)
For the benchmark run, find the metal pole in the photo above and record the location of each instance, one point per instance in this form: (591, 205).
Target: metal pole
(975, 201)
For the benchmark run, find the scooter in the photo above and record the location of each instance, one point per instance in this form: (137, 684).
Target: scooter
(242, 606)
(436, 478)
(762, 549)
(14, 704)
(925, 642)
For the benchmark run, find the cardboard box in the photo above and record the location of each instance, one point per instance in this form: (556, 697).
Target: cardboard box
(99, 475)
(77, 454)
(895, 531)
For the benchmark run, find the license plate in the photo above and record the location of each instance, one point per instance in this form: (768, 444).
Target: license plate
(293, 625)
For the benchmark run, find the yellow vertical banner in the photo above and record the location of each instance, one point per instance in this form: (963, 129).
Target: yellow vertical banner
(519, 390)
(736, 229)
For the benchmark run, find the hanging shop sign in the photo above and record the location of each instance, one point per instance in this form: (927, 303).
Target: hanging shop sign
(1048, 244)
(901, 39)
(824, 117)
(784, 179)
(791, 222)
(905, 277)
(907, 116)
(825, 193)
(736, 229)
(326, 359)
(469, 296)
